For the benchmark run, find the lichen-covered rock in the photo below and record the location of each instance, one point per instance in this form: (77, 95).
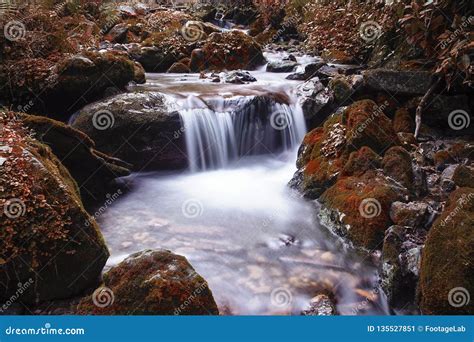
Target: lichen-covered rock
(362, 205)
(152, 282)
(138, 128)
(47, 239)
(397, 164)
(228, 51)
(91, 169)
(447, 267)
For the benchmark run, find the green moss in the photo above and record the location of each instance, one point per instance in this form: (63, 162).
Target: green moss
(447, 262)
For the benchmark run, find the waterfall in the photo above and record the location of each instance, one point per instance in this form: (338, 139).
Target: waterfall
(219, 131)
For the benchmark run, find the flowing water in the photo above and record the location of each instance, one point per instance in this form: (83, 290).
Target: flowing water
(259, 245)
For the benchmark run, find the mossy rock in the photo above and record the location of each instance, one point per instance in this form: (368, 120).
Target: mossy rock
(447, 265)
(367, 125)
(91, 169)
(464, 176)
(47, 239)
(152, 282)
(361, 161)
(403, 121)
(397, 163)
(363, 202)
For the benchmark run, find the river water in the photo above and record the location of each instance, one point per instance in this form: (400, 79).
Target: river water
(258, 244)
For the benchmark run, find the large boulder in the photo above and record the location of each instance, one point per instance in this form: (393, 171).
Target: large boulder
(325, 150)
(152, 282)
(50, 248)
(92, 170)
(398, 82)
(228, 51)
(138, 128)
(314, 98)
(446, 281)
(58, 88)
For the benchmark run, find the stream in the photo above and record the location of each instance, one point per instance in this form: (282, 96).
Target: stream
(259, 245)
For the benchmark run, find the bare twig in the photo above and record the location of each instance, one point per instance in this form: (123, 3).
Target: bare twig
(424, 101)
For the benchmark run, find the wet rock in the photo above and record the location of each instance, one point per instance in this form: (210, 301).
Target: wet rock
(139, 72)
(239, 77)
(397, 164)
(281, 66)
(152, 282)
(398, 82)
(463, 176)
(341, 88)
(127, 11)
(227, 50)
(447, 272)
(66, 251)
(313, 98)
(413, 214)
(363, 204)
(91, 169)
(320, 305)
(400, 266)
(138, 128)
(308, 71)
(153, 58)
(179, 68)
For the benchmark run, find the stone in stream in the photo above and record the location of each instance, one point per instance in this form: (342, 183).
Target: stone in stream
(313, 98)
(320, 305)
(151, 282)
(136, 127)
(281, 66)
(309, 71)
(239, 77)
(41, 205)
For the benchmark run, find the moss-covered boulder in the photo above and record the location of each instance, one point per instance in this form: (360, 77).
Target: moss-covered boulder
(92, 170)
(228, 51)
(397, 163)
(363, 206)
(47, 239)
(361, 161)
(152, 282)
(403, 121)
(447, 266)
(323, 155)
(463, 176)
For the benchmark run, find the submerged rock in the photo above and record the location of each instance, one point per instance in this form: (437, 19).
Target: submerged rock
(320, 305)
(152, 282)
(50, 248)
(447, 271)
(139, 128)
